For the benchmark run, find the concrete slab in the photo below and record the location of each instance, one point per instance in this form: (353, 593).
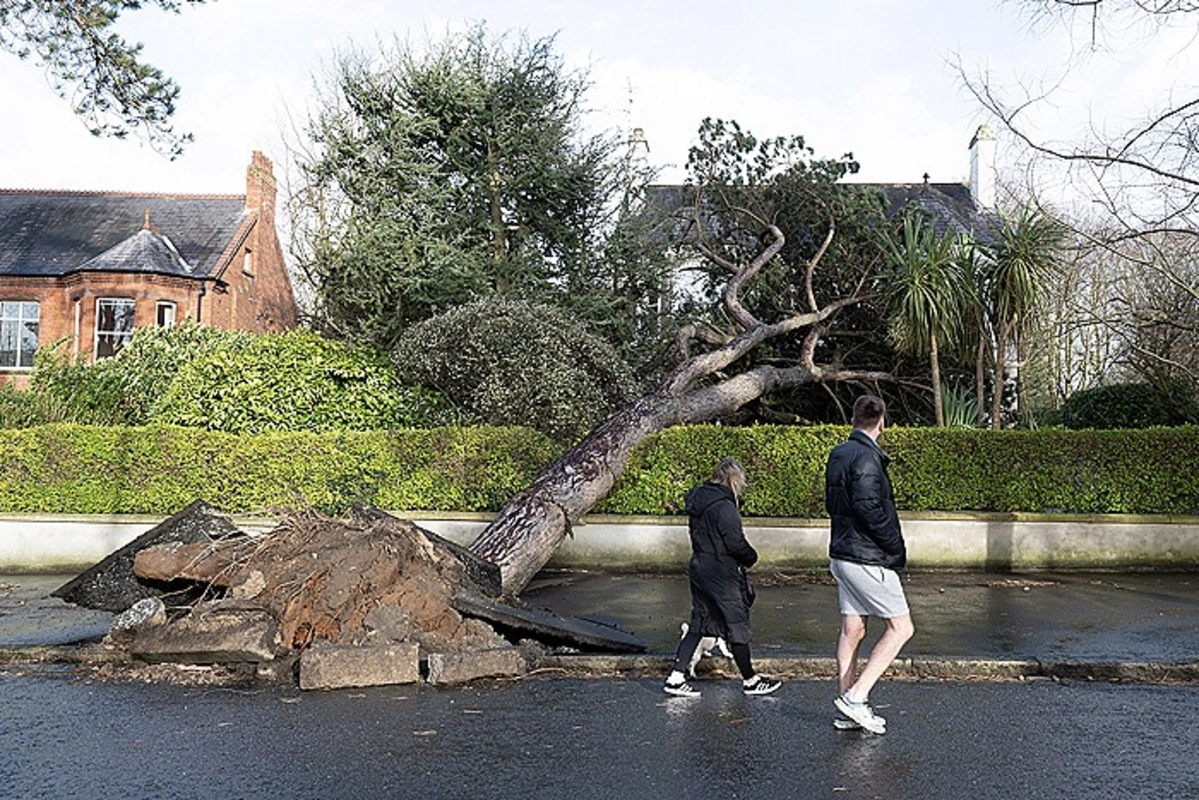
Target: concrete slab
(455, 668)
(213, 633)
(339, 666)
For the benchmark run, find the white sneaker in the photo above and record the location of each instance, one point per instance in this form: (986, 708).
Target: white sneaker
(861, 713)
(761, 685)
(843, 724)
(680, 689)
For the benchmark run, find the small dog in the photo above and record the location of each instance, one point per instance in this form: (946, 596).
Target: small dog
(708, 646)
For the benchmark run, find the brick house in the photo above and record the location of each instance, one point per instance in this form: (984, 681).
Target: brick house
(87, 268)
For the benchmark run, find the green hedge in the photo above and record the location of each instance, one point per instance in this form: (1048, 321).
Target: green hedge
(69, 468)
(1151, 471)
(76, 469)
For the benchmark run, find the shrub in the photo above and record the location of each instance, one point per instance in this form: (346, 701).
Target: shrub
(26, 409)
(513, 363)
(77, 469)
(1121, 405)
(76, 392)
(68, 468)
(933, 469)
(148, 364)
(297, 381)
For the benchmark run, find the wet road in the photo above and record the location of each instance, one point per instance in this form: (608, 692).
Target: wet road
(1064, 616)
(62, 736)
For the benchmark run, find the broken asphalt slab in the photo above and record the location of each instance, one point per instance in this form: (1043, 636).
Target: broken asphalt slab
(111, 585)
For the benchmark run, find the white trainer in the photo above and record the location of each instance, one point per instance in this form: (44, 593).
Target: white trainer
(861, 713)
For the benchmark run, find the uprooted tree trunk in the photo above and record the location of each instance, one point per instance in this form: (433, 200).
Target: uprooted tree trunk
(530, 528)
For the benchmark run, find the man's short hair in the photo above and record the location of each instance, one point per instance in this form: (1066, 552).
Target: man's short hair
(868, 410)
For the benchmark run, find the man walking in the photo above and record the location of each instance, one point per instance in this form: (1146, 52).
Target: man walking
(866, 548)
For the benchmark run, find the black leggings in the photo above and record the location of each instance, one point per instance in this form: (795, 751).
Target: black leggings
(691, 641)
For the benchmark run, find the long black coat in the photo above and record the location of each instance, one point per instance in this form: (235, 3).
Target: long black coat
(861, 503)
(719, 555)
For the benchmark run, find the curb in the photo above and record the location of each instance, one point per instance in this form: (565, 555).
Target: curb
(611, 666)
(922, 668)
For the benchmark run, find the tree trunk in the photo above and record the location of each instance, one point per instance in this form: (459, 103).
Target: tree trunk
(980, 382)
(934, 358)
(528, 530)
(1000, 370)
(525, 534)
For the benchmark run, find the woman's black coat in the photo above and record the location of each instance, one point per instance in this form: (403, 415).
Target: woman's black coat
(719, 555)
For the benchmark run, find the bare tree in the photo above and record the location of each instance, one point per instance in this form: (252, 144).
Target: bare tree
(713, 376)
(1135, 185)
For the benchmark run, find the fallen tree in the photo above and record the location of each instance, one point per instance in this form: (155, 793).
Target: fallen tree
(733, 201)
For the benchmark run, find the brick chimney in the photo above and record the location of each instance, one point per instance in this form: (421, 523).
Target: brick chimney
(982, 168)
(261, 187)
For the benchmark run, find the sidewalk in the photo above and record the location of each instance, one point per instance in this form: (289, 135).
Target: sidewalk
(1132, 626)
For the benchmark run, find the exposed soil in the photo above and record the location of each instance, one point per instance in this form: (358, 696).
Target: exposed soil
(336, 580)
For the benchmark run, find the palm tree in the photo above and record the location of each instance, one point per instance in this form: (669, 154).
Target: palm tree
(924, 291)
(1025, 257)
(974, 261)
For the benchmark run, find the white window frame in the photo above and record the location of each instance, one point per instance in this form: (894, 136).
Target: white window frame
(121, 335)
(247, 262)
(19, 319)
(171, 312)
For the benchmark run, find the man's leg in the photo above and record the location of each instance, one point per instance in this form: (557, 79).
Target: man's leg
(899, 630)
(853, 629)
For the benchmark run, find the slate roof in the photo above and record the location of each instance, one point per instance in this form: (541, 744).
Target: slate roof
(950, 205)
(50, 234)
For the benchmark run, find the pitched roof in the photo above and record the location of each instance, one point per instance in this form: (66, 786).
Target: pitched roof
(144, 251)
(950, 206)
(56, 233)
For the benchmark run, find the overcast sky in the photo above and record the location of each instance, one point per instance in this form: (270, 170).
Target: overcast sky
(871, 77)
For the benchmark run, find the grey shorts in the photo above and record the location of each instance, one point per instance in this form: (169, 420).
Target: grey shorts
(867, 591)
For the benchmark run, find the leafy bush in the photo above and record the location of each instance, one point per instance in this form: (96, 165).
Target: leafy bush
(1121, 405)
(933, 469)
(76, 469)
(226, 380)
(68, 468)
(26, 409)
(66, 392)
(297, 381)
(785, 466)
(514, 363)
(148, 364)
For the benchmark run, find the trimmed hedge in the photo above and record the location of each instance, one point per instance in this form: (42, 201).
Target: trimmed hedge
(1151, 471)
(75, 469)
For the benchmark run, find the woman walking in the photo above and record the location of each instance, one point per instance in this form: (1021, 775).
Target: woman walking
(720, 594)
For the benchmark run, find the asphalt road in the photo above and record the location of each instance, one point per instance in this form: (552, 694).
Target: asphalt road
(63, 736)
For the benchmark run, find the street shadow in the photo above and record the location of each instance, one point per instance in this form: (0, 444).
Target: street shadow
(1000, 546)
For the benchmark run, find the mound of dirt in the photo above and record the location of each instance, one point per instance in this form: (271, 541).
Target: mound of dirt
(376, 578)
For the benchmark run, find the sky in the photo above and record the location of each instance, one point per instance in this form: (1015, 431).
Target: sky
(877, 78)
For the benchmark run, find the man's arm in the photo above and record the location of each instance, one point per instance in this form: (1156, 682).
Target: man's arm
(869, 506)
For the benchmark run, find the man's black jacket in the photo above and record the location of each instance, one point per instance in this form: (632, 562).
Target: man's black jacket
(861, 503)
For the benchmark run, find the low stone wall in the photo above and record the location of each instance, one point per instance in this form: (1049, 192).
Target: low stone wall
(999, 542)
